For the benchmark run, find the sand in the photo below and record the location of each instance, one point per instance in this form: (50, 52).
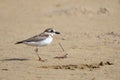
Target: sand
(89, 35)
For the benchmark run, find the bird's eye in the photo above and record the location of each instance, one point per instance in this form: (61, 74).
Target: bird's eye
(51, 31)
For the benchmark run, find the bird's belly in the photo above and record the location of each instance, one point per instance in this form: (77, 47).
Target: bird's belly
(40, 43)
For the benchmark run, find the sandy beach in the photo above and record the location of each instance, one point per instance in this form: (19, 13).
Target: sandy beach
(90, 35)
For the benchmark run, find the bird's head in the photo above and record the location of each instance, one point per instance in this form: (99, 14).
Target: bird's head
(51, 31)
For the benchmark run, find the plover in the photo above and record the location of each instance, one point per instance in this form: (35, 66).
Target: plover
(42, 39)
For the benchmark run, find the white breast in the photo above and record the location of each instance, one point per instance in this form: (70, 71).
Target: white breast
(46, 41)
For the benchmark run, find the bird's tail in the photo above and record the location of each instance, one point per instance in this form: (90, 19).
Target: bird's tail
(19, 42)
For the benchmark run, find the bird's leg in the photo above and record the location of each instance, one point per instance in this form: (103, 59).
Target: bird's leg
(61, 57)
(36, 50)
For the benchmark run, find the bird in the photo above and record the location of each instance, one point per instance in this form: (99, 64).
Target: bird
(42, 39)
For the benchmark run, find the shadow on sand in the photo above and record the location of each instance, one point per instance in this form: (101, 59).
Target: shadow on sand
(15, 59)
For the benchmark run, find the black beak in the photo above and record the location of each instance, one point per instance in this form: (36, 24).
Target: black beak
(57, 32)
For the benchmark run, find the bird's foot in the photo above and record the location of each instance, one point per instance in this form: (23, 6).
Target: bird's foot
(42, 60)
(61, 57)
